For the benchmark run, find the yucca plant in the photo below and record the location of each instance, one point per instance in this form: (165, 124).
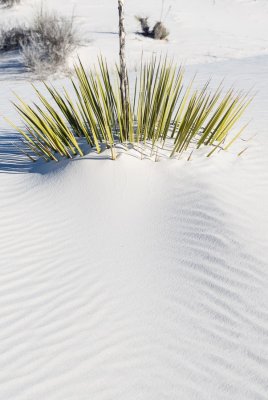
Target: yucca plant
(161, 109)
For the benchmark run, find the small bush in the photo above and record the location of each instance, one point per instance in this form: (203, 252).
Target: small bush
(51, 40)
(159, 31)
(45, 44)
(9, 3)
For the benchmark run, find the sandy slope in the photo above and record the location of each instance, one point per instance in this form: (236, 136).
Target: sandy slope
(135, 279)
(162, 296)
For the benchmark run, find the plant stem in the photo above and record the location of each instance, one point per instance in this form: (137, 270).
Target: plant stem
(124, 86)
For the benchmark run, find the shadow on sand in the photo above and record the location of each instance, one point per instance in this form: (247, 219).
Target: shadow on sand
(12, 159)
(11, 65)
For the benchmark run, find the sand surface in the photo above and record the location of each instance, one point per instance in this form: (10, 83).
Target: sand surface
(138, 279)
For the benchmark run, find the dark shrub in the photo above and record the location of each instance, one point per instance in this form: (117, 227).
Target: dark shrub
(13, 38)
(158, 32)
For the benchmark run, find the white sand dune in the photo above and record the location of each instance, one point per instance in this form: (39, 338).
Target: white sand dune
(137, 279)
(132, 279)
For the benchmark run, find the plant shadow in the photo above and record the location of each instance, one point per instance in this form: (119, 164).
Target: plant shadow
(104, 32)
(11, 65)
(12, 159)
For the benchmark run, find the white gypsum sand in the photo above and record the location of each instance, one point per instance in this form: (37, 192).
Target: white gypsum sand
(139, 279)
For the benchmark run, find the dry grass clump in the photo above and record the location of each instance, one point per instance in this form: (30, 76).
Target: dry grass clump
(9, 3)
(51, 41)
(45, 44)
(158, 32)
(161, 110)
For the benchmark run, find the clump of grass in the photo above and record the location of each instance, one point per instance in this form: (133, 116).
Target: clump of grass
(45, 44)
(9, 3)
(161, 110)
(158, 32)
(51, 41)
